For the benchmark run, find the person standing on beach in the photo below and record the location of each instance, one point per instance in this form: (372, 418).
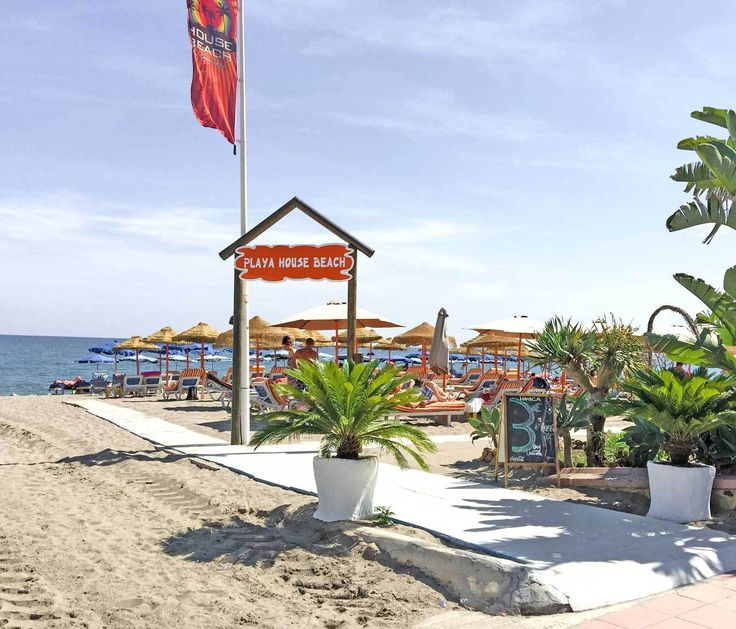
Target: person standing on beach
(305, 353)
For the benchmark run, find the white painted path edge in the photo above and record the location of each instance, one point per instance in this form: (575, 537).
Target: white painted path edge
(593, 556)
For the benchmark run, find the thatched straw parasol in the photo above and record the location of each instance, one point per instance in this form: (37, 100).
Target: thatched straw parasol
(165, 336)
(363, 336)
(138, 344)
(419, 335)
(518, 326)
(494, 342)
(201, 332)
(389, 345)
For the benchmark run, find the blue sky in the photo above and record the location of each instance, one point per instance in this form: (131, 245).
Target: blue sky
(502, 158)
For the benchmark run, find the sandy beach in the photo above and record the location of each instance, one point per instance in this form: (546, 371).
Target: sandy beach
(99, 529)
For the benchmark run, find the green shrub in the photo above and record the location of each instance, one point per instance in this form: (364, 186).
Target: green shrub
(616, 450)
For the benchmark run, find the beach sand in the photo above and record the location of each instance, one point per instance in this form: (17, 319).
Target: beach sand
(99, 529)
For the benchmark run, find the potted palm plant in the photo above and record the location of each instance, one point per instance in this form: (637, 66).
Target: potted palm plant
(350, 408)
(681, 407)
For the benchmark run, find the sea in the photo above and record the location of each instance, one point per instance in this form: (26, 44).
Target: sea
(29, 364)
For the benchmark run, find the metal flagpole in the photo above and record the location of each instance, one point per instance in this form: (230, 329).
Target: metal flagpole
(240, 420)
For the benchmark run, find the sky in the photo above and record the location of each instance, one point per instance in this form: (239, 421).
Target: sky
(502, 158)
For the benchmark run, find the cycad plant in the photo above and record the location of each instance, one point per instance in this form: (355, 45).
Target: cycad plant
(681, 406)
(349, 407)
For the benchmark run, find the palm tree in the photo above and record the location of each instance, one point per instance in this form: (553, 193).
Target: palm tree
(349, 407)
(682, 407)
(595, 357)
(713, 178)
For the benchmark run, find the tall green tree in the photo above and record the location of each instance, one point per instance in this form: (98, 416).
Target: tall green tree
(595, 357)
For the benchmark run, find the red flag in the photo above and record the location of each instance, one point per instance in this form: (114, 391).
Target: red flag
(213, 28)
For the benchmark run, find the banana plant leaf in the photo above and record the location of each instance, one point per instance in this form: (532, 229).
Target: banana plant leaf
(713, 115)
(689, 144)
(721, 304)
(715, 211)
(729, 282)
(691, 353)
(696, 176)
(721, 160)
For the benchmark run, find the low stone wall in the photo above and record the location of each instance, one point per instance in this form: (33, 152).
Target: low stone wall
(478, 581)
(722, 500)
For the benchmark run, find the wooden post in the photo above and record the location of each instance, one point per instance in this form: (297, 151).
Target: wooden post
(236, 428)
(352, 305)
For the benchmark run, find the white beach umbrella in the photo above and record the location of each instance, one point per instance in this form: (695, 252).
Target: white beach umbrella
(512, 326)
(334, 316)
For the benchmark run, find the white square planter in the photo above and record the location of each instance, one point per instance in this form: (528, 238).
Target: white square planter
(680, 494)
(345, 488)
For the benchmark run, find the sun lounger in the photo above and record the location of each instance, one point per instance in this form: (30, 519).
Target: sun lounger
(267, 398)
(152, 384)
(448, 410)
(133, 386)
(188, 379)
(487, 384)
(508, 386)
(216, 387)
(115, 388)
(276, 373)
(98, 383)
(469, 379)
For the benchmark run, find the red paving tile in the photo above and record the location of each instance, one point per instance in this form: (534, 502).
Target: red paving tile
(636, 618)
(711, 616)
(711, 604)
(672, 604)
(706, 592)
(675, 623)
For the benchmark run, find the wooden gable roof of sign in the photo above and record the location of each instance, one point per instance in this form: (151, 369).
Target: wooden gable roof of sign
(295, 204)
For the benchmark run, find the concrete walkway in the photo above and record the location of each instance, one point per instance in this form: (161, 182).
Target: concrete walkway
(590, 556)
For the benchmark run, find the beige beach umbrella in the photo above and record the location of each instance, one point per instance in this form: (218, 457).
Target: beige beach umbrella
(518, 326)
(439, 355)
(166, 336)
(421, 334)
(334, 316)
(136, 343)
(202, 332)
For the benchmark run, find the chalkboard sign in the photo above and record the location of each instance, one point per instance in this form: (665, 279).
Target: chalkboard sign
(528, 431)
